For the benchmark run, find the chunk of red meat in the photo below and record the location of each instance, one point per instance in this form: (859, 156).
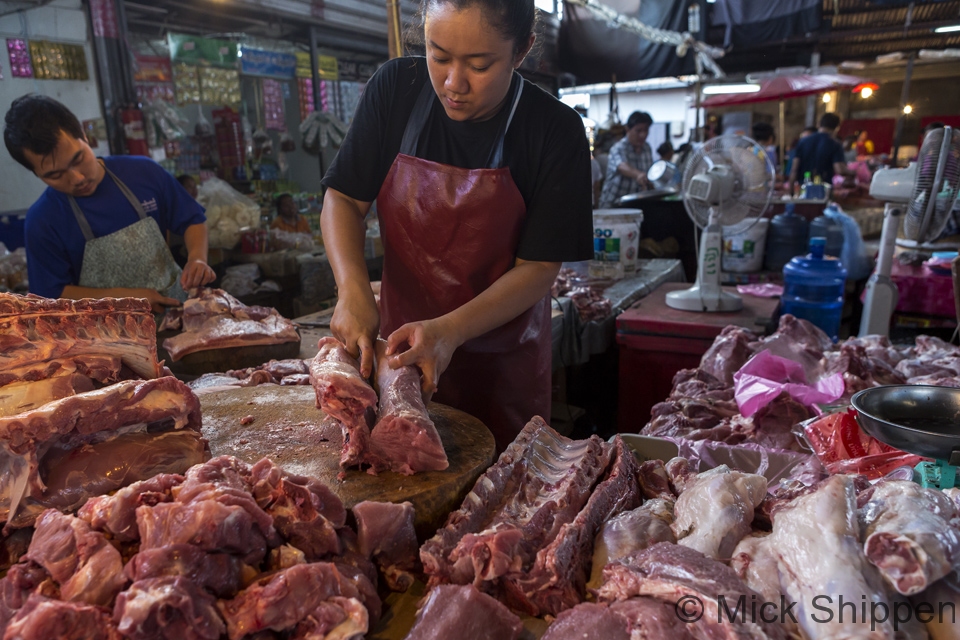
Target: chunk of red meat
(171, 607)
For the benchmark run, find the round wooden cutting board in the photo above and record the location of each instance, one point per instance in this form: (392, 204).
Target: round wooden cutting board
(289, 429)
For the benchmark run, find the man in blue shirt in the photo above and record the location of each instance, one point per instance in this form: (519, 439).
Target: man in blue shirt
(629, 160)
(99, 229)
(819, 154)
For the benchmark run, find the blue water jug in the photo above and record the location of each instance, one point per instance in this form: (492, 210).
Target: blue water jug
(786, 237)
(813, 288)
(829, 226)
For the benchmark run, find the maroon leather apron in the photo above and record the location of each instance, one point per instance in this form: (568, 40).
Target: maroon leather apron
(448, 234)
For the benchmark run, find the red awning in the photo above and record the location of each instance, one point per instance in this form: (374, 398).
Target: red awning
(783, 87)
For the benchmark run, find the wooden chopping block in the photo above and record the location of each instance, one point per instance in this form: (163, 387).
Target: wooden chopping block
(289, 429)
(223, 360)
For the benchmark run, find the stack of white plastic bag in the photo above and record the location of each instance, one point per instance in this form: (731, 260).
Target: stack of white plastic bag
(229, 213)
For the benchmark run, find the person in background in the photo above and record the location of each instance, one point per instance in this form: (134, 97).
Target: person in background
(98, 230)
(819, 154)
(850, 149)
(764, 135)
(665, 151)
(792, 149)
(629, 160)
(864, 145)
(482, 185)
(288, 218)
(189, 184)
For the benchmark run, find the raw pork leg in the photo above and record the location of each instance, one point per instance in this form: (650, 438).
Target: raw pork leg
(404, 437)
(909, 536)
(386, 533)
(462, 612)
(630, 532)
(344, 395)
(756, 562)
(715, 510)
(820, 554)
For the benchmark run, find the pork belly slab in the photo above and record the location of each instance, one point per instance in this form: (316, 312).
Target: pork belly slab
(343, 394)
(41, 338)
(213, 319)
(404, 438)
(909, 536)
(463, 612)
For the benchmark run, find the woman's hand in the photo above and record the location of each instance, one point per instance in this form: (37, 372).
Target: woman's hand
(432, 343)
(196, 273)
(355, 323)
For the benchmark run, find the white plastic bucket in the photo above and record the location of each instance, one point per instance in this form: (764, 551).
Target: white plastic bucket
(616, 241)
(744, 244)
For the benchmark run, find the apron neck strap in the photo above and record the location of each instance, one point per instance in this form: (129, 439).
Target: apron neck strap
(424, 105)
(124, 189)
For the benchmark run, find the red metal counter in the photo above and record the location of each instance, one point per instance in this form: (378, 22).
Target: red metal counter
(656, 341)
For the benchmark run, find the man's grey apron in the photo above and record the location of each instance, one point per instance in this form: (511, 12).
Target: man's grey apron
(135, 257)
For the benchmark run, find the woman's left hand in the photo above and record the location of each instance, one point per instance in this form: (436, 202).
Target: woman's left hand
(196, 273)
(432, 343)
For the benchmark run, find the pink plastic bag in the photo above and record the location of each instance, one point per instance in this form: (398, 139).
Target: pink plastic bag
(765, 376)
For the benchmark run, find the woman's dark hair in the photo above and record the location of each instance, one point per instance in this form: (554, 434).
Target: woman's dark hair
(183, 177)
(666, 147)
(514, 19)
(34, 123)
(762, 131)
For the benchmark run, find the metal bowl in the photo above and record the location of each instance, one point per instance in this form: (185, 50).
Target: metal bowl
(919, 419)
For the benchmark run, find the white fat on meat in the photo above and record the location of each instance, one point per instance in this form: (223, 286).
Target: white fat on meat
(715, 510)
(25, 396)
(908, 535)
(630, 532)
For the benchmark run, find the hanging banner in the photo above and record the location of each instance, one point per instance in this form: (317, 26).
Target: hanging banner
(327, 68)
(103, 15)
(256, 62)
(202, 51)
(303, 65)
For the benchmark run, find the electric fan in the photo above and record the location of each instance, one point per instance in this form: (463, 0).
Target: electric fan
(725, 181)
(925, 191)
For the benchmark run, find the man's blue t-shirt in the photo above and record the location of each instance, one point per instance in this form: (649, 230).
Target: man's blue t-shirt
(53, 237)
(816, 154)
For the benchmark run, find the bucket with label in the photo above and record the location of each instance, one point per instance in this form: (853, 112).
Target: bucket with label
(616, 241)
(743, 245)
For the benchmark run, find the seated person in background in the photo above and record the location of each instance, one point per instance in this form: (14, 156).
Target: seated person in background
(850, 149)
(819, 154)
(629, 160)
(189, 184)
(864, 145)
(665, 151)
(288, 219)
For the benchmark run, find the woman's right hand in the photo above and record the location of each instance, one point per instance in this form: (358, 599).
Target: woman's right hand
(355, 323)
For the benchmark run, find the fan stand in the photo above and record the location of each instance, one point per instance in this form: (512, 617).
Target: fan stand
(880, 295)
(706, 294)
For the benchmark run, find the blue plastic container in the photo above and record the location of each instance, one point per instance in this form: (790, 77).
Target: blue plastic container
(786, 238)
(813, 288)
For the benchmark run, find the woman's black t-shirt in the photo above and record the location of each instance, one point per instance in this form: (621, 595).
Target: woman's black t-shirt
(545, 149)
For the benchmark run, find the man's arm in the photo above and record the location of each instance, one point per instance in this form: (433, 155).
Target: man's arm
(196, 272)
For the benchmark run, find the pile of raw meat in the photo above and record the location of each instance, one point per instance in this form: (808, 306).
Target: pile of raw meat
(585, 292)
(399, 437)
(701, 405)
(701, 544)
(84, 406)
(213, 319)
(617, 550)
(224, 551)
(282, 372)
